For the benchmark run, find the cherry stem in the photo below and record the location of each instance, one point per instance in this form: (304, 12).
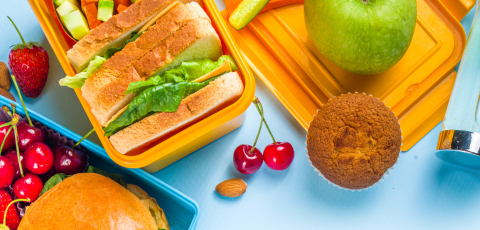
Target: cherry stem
(83, 138)
(259, 107)
(17, 30)
(21, 99)
(14, 125)
(8, 206)
(6, 124)
(5, 108)
(4, 139)
(259, 129)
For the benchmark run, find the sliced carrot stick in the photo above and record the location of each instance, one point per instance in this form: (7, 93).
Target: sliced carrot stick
(90, 1)
(84, 3)
(121, 8)
(121, 2)
(91, 11)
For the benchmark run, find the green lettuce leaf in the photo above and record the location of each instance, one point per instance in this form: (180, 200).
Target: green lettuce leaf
(78, 80)
(115, 177)
(54, 180)
(160, 98)
(111, 51)
(187, 71)
(59, 177)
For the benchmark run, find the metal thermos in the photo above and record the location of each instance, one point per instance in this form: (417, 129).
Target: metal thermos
(459, 142)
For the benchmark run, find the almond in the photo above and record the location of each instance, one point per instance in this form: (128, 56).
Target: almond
(4, 76)
(7, 94)
(232, 188)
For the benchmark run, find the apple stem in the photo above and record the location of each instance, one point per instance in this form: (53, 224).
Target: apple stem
(4, 139)
(259, 107)
(259, 129)
(17, 30)
(83, 138)
(15, 120)
(21, 99)
(8, 206)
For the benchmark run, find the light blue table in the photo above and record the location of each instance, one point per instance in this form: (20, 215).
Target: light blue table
(421, 193)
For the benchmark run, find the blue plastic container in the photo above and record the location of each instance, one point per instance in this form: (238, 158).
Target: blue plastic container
(182, 212)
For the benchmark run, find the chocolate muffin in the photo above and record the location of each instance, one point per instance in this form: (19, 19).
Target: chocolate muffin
(353, 140)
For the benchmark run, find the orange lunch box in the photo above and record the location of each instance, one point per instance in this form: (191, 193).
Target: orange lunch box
(187, 140)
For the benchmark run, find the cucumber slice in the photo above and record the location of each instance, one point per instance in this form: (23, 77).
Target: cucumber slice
(105, 10)
(60, 2)
(76, 24)
(66, 8)
(246, 12)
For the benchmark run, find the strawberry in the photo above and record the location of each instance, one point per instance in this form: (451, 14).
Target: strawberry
(13, 219)
(29, 63)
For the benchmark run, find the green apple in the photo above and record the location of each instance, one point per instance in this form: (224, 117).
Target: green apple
(361, 36)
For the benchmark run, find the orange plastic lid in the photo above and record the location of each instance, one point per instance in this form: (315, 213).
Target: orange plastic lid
(278, 49)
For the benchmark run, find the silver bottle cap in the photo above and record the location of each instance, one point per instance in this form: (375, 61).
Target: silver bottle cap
(460, 148)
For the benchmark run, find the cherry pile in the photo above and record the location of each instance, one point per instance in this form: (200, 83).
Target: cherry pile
(247, 159)
(27, 162)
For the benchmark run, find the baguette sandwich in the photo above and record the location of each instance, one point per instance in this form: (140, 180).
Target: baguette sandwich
(93, 201)
(170, 74)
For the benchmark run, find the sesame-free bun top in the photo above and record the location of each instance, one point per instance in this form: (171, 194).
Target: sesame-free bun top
(353, 140)
(87, 201)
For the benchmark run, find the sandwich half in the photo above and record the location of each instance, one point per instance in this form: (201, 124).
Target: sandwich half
(185, 33)
(139, 136)
(115, 31)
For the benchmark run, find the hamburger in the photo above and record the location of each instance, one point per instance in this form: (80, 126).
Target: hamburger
(93, 201)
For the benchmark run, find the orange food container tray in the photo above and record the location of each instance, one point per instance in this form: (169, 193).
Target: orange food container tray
(182, 143)
(417, 89)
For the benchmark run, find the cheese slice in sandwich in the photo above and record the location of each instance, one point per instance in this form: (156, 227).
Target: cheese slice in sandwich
(145, 133)
(196, 40)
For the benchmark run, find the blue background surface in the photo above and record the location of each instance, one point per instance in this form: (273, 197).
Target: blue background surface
(421, 193)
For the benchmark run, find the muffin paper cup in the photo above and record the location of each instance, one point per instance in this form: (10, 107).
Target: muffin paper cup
(338, 186)
(52, 139)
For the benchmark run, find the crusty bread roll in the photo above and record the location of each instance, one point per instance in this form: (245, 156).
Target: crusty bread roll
(88, 201)
(141, 135)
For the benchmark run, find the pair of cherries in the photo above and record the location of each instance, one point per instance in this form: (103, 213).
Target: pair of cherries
(247, 159)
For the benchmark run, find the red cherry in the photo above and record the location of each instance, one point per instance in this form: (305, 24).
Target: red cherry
(69, 160)
(7, 172)
(38, 158)
(28, 187)
(278, 156)
(12, 156)
(245, 161)
(10, 141)
(27, 135)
